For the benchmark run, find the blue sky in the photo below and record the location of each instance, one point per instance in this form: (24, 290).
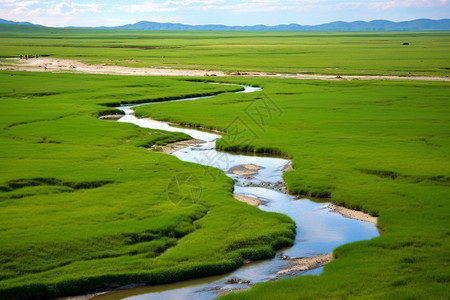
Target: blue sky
(227, 12)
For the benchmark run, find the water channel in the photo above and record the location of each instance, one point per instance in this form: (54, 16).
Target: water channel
(319, 229)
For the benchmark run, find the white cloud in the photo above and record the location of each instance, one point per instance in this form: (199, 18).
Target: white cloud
(147, 7)
(168, 6)
(381, 5)
(52, 7)
(49, 13)
(321, 5)
(218, 5)
(15, 3)
(190, 2)
(72, 8)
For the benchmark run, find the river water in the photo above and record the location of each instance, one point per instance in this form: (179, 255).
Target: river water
(318, 228)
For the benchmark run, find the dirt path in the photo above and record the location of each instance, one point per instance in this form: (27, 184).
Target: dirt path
(66, 65)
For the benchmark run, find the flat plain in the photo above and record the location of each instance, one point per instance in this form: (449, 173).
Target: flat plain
(84, 205)
(376, 53)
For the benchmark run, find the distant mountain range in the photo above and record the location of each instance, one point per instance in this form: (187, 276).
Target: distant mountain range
(377, 25)
(2, 21)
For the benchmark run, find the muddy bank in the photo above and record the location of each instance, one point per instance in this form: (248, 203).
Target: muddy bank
(249, 200)
(248, 170)
(224, 292)
(103, 292)
(85, 297)
(302, 264)
(173, 147)
(111, 117)
(288, 167)
(67, 65)
(276, 186)
(354, 214)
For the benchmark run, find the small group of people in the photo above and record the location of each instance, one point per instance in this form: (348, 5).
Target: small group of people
(28, 56)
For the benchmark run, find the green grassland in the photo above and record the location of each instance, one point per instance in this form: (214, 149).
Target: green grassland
(83, 205)
(376, 53)
(377, 146)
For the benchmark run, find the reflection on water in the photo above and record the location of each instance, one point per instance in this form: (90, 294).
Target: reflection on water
(206, 154)
(319, 230)
(153, 124)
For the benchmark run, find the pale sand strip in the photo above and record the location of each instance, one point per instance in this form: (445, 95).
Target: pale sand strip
(249, 200)
(302, 264)
(288, 167)
(174, 147)
(349, 213)
(354, 214)
(111, 117)
(223, 292)
(245, 170)
(57, 64)
(66, 65)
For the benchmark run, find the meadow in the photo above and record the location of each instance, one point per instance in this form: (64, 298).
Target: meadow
(84, 204)
(364, 53)
(377, 146)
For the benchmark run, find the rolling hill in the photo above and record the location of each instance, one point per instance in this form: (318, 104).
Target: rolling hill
(376, 25)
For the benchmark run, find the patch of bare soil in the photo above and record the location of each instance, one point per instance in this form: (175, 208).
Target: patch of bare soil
(348, 77)
(66, 65)
(84, 297)
(354, 214)
(174, 147)
(288, 167)
(47, 64)
(297, 265)
(249, 200)
(111, 117)
(223, 292)
(248, 170)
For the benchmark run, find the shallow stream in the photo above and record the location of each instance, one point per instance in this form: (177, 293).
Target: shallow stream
(318, 228)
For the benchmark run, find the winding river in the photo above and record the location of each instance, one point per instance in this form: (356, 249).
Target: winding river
(319, 229)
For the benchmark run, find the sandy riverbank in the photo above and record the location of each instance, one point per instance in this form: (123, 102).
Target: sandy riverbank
(249, 200)
(174, 147)
(302, 264)
(354, 214)
(247, 171)
(250, 170)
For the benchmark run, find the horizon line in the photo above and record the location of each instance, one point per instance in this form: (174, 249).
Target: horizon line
(218, 24)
